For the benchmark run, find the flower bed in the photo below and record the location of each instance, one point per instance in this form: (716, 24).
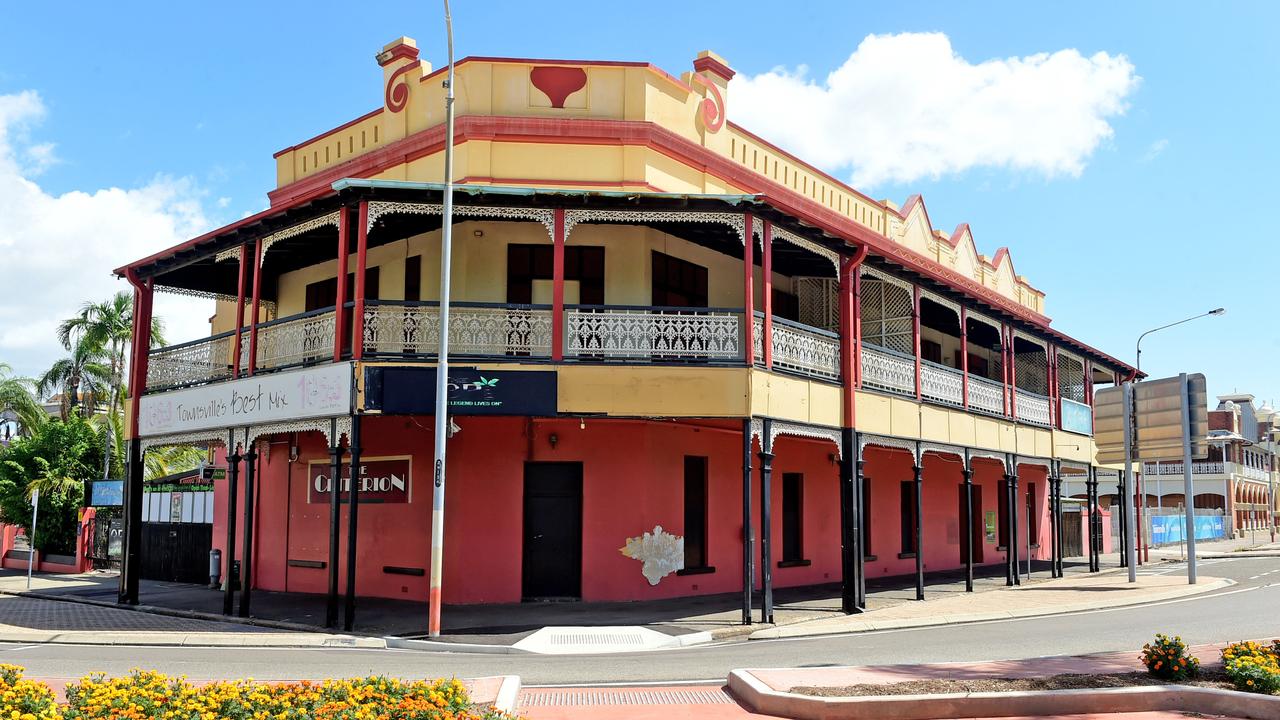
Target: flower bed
(143, 695)
(1253, 667)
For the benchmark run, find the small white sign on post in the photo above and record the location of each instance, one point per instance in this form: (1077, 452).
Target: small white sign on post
(323, 391)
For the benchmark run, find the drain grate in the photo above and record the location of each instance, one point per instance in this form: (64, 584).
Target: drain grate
(584, 698)
(590, 638)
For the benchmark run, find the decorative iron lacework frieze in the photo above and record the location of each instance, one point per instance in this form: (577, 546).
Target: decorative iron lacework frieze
(547, 218)
(200, 437)
(296, 230)
(998, 457)
(186, 292)
(322, 426)
(1042, 462)
(941, 449)
(757, 231)
(1076, 468)
(232, 253)
(979, 317)
(735, 221)
(944, 302)
(885, 441)
(817, 432)
(885, 277)
(1030, 338)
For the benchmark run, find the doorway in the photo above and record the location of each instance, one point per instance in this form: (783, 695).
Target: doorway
(976, 534)
(1072, 535)
(552, 567)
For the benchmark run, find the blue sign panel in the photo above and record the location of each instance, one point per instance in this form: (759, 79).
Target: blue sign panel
(1167, 529)
(106, 493)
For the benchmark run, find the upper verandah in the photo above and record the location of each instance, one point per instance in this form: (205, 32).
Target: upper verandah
(611, 125)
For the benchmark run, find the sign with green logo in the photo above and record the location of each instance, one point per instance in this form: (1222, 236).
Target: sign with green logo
(989, 525)
(412, 390)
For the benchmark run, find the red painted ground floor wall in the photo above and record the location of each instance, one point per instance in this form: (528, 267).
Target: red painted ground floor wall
(633, 480)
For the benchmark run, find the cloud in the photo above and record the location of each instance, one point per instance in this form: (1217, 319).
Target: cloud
(1157, 148)
(907, 107)
(58, 250)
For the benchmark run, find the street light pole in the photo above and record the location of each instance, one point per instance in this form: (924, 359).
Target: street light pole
(442, 357)
(1133, 419)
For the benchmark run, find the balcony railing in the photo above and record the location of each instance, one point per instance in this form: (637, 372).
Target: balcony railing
(191, 363)
(941, 383)
(296, 340)
(1175, 468)
(1033, 408)
(1077, 417)
(986, 395)
(1254, 473)
(475, 329)
(888, 370)
(805, 350)
(653, 333)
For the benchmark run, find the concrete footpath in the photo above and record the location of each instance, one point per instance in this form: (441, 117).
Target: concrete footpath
(80, 609)
(1065, 595)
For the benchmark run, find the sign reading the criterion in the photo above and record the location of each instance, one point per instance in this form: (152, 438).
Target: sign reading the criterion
(382, 480)
(323, 391)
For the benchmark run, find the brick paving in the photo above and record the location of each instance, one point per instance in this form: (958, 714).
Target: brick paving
(26, 613)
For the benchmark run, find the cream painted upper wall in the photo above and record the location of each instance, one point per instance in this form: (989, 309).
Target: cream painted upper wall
(614, 92)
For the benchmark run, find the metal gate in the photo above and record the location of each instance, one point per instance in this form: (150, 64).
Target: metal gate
(176, 552)
(107, 542)
(1072, 535)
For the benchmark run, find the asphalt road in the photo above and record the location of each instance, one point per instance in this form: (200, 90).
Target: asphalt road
(1250, 609)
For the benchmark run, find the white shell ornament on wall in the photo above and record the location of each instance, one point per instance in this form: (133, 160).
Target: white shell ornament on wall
(661, 552)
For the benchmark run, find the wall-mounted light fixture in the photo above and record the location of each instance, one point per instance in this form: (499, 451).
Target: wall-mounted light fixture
(553, 439)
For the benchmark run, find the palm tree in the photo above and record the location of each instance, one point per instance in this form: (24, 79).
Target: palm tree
(108, 326)
(18, 396)
(84, 373)
(162, 461)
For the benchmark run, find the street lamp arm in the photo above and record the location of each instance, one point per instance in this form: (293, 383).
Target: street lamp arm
(1138, 353)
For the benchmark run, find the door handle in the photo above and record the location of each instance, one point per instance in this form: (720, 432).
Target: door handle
(536, 537)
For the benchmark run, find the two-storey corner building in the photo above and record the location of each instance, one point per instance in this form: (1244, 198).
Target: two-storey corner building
(661, 323)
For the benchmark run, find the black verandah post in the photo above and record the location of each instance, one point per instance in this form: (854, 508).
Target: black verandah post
(1121, 488)
(748, 549)
(967, 532)
(766, 531)
(353, 509)
(859, 477)
(918, 476)
(233, 480)
(850, 524)
(1091, 507)
(1009, 569)
(1053, 524)
(250, 470)
(130, 569)
(335, 483)
(1013, 521)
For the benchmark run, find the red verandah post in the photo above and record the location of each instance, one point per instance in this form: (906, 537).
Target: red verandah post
(749, 293)
(557, 286)
(340, 309)
(257, 296)
(766, 295)
(240, 287)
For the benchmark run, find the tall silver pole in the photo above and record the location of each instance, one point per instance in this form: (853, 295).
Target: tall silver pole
(31, 546)
(1188, 490)
(1129, 554)
(442, 364)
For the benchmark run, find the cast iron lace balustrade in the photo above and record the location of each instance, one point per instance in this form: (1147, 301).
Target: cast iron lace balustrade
(941, 383)
(757, 338)
(986, 395)
(1077, 417)
(296, 340)
(1253, 472)
(887, 370)
(805, 350)
(1175, 468)
(1034, 409)
(475, 329)
(191, 363)
(678, 334)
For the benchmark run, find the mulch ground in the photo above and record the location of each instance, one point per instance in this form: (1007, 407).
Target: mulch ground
(1208, 678)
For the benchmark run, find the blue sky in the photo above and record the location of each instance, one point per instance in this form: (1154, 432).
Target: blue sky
(180, 106)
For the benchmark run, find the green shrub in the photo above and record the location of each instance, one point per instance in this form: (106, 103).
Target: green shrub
(1167, 659)
(1253, 667)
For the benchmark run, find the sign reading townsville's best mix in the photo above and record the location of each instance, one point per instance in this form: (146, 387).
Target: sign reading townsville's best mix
(382, 480)
(323, 391)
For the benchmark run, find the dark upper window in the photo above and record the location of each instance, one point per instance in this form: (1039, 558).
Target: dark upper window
(324, 293)
(678, 283)
(786, 305)
(695, 511)
(413, 278)
(582, 264)
(931, 351)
